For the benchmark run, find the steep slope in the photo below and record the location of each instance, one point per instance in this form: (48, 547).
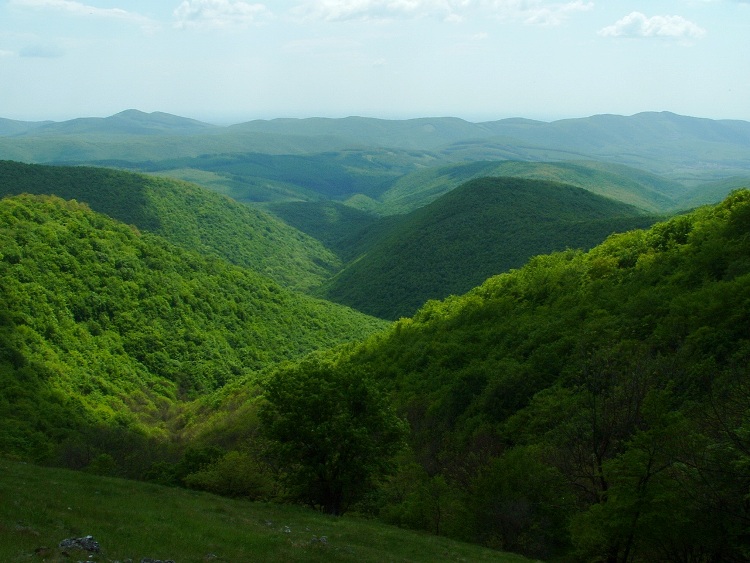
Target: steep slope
(588, 405)
(485, 227)
(342, 229)
(585, 407)
(186, 215)
(102, 325)
(711, 192)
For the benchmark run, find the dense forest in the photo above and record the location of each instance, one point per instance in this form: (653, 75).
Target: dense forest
(102, 324)
(186, 215)
(482, 228)
(591, 404)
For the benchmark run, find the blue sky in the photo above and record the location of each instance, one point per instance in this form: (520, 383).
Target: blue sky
(228, 61)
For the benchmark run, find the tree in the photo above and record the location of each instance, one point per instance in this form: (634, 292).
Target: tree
(333, 431)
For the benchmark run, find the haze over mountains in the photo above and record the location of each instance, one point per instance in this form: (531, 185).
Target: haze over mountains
(681, 147)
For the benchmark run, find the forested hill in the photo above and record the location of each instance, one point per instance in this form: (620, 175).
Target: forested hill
(485, 227)
(186, 215)
(592, 405)
(649, 192)
(103, 325)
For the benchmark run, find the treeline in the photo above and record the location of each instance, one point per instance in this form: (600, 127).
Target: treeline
(586, 407)
(102, 325)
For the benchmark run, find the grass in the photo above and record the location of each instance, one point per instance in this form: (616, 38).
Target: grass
(39, 507)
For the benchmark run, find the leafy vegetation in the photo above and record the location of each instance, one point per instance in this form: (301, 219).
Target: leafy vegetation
(585, 407)
(590, 406)
(344, 230)
(485, 227)
(103, 325)
(634, 187)
(333, 431)
(184, 214)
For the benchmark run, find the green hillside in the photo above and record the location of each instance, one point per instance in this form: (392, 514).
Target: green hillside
(342, 229)
(646, 191)
(711, 192)
(186, 215)
(485, 227)
(330, 175)
(131, 521)
(588, 404)
(103, 325)
(681, 148)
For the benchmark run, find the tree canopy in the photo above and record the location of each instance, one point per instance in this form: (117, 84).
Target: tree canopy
(335, 431)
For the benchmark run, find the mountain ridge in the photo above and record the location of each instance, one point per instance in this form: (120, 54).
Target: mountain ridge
(481, 228)
(684, 147)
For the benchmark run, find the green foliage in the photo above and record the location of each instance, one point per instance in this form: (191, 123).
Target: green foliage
(595, 404)
(184, 214)
(339, 227)
(103, 325)
(235, 474)
(334, 432)
(332, 175)
(648, 192)
(522, 504)
(483, 228)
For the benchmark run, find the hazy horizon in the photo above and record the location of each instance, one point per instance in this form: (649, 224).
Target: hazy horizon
(229, 122)
(232, 61)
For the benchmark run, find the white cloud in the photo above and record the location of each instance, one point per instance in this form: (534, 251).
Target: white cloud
(637, 24)
(535, 11)
(453, 11)
(79, 9)
(344, 10)
(216, 14)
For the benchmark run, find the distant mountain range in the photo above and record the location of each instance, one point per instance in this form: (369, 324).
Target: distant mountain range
(680, 147)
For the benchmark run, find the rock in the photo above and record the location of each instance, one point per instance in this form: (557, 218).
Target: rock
(87, 543)
(149, 560)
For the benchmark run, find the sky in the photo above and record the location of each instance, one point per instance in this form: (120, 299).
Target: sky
(230, 61)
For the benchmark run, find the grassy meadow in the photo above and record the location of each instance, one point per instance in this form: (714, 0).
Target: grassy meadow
(39, 507)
